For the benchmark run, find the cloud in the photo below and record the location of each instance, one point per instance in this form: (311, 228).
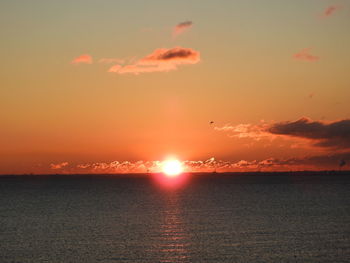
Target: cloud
(315, 162)
(119, 167)
(152, 166)
(160, 60)
(181, 28)
(330, 135)
(57, 166)
(115, 68)
(330, 161)
(82, 59)
(252, 131)
(177, 55)
(305, 55)
(137, 69)
(330, 10)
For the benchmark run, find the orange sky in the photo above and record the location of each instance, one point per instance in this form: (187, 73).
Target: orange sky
(104, 86)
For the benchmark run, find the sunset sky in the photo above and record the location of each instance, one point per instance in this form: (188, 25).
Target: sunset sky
(120, 85)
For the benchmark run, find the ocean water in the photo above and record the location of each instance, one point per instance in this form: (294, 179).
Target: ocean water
(201, 219)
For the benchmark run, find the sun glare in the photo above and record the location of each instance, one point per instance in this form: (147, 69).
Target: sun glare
(172, 168)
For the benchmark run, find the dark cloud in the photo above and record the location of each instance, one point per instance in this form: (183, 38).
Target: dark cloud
(185, 24)
(182, 27)
(176, 55)
(333, 134)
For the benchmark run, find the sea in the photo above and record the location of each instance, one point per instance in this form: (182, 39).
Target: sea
(191, 218)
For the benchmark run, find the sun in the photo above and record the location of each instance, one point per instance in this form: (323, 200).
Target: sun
(172, 168)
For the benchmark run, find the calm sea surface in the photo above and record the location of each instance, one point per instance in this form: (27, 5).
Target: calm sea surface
(204, 219)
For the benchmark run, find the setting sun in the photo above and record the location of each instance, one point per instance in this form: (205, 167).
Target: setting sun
(172, 167)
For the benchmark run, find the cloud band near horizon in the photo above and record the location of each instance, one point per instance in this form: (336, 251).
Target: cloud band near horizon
(315, 162)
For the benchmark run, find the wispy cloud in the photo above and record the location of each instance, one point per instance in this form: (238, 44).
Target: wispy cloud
(82, 59)
(57, 166)
(253, 131)
(160, 60)
(305, 55)
(138, 69)
(181, 28)
(119, 167)
(115, 68)
(330, 10)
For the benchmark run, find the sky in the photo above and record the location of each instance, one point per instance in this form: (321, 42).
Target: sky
(113, 86)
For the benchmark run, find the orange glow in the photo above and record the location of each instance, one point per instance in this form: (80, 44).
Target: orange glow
(119, 103)
(172, 168)
(166, 182)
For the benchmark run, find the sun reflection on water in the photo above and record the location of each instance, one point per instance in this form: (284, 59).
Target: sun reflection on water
(173, 244)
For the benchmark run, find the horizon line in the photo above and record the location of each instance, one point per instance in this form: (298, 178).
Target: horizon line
(190, 173)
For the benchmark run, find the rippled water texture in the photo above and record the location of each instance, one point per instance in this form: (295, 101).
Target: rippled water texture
(200, 219)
